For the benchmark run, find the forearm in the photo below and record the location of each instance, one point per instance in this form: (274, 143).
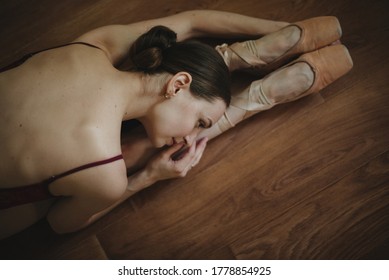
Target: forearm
(140, 180)
(229, 25)
(116, 40)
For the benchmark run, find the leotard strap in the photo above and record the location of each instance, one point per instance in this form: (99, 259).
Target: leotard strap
(10, 197)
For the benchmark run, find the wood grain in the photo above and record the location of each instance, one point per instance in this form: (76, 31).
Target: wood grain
(305, 180)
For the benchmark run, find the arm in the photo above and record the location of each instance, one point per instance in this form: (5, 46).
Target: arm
(77, 212)
(136, 182)
(116, 40)
(90, 192)
(229, 25)
(161, 167)
(91, 203)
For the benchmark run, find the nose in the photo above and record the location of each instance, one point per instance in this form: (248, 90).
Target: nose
(188, 140)
(191, 138)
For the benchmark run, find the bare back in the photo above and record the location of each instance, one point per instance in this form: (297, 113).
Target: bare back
(58, 110)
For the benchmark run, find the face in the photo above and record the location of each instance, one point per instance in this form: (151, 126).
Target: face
(181, 117)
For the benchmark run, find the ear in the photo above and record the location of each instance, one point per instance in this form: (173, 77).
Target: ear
(181, 80)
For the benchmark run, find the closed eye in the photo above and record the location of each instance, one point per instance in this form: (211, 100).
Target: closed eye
(203, 124)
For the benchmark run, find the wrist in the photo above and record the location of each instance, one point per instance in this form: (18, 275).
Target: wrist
(140, 180)
(148, 176)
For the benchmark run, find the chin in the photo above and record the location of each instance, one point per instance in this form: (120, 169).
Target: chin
(157, 144)
(154, 141)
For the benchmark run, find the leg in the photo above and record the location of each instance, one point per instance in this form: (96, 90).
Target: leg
(301, 78)
(291, 81)
(263, 94)
(259, 53)
(308, 74)
(276, 49)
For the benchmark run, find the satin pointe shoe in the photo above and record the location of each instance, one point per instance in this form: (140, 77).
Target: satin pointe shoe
(315, 33)
(327, 64)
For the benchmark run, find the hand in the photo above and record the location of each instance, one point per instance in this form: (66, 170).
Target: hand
(168, 165)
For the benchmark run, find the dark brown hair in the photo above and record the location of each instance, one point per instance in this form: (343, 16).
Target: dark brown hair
(157, 51)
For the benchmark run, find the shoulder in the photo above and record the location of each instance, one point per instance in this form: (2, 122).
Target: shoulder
(113, 40)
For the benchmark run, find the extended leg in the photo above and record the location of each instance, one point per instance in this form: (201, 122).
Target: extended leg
(308, 74)
(276, 49)
(290, 83)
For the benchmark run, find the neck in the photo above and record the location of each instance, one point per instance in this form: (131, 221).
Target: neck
(140, 93)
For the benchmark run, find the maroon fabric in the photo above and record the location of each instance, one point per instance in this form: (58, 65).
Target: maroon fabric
(11, 197)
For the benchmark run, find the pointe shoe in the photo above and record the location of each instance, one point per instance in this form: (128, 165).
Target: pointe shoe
(316, 33)
(328, 64)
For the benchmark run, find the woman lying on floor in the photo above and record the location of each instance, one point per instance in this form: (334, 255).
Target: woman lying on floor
(61, 109)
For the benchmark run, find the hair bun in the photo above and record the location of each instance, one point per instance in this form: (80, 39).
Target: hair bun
(147, 51)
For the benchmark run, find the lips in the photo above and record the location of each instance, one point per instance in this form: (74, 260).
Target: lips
(172, 142)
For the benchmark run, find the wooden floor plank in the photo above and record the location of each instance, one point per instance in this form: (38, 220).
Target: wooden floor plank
(306, 180)
(319, 229)
(303, 169)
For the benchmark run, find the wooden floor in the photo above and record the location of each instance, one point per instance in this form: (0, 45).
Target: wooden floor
(306, 180)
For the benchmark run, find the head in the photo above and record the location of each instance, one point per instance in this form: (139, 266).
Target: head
(195, 88)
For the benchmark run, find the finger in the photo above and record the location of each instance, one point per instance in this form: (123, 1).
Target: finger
(180, 153)
(183, 165)
(173, 149)
(202, 143)
(187, 158)
(184, 151)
